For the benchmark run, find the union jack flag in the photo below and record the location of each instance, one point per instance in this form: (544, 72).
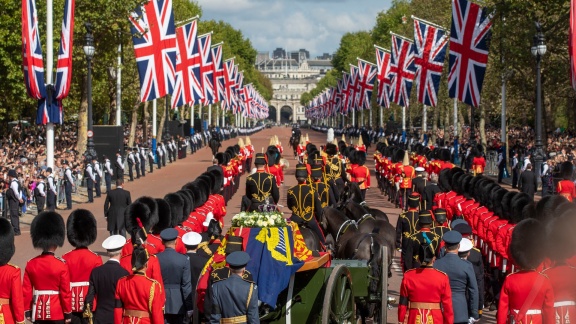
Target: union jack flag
(206, 68)
(384, 83)
(33, 66)
(430, 43)
(64, 65)
(188, 88)
(229, 84)
(353, 87)
(469, 36)
(402, 70)
(338, 97)
(219, 78)
(154, 37)
(367, 76)
(238, 88)
(345, 93)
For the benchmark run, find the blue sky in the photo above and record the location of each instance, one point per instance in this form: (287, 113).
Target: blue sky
(316, 25)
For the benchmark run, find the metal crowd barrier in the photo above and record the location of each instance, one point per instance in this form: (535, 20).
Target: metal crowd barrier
(491, 163)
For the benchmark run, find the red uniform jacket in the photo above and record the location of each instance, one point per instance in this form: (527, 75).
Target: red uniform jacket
(46, 288)
(155, 246)
(219, 207)
(478, 165)
(514, 294)
(137, 292)
(409, 174)
(276, 171)
(81, 262)
(566, 189)
(11, 288)
(562, 280)
(228, 174)
(361, 174)
(425, 285)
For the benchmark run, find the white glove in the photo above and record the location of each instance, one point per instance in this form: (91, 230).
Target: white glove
(471, 320)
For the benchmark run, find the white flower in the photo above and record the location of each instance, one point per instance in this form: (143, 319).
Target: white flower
(271, 222)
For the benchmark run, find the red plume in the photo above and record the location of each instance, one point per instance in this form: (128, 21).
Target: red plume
(139, 222)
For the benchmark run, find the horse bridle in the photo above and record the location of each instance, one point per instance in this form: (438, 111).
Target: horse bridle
(347, 222)
(363, 218)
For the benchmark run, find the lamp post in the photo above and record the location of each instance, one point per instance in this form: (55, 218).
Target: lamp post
(89, 51)
(538, 50)
(166, 135)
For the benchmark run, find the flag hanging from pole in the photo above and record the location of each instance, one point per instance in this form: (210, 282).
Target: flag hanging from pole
(353, 88)
(229, 84)
(383, 62)
(218, 73)
(206, 68)
(469, 34)
(367, 76)
(188, 87)
(33, 64)
(64, 65)
(402, 70)
(430, 43)
(154, 37)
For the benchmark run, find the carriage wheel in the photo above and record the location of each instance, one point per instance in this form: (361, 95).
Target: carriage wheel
(381, 309)
(339, 305)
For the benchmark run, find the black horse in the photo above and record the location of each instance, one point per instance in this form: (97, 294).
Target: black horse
(295, 139)
(351, 192)
(214, 145)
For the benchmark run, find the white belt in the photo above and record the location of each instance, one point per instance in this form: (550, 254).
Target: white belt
(530, 311)
(45, 292)
(564, 303)
(79, 284)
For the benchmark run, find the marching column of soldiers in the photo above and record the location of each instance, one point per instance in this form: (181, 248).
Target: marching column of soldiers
(467, 243)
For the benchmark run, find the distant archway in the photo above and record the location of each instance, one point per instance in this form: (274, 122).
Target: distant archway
(286, 115)
(272, 113)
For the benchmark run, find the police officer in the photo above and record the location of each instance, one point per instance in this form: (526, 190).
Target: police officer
(130, 304)
(304, 203)
(136, 155)
(131, 163)
(90, 180)
(103, 280)
(235, 299)
(52, 193)
(119, 165)
(150, 160)
(423, 236)
(175, 269)
(142, 153)
(10, 282)
(167, 153)
(14, 195)
(68, 184)
(108, 173)
(260, 186)
(160, 156)
(97, 175)
(40, 193)
(462, 279)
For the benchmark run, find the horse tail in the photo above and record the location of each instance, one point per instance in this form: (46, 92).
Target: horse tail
(375, 264)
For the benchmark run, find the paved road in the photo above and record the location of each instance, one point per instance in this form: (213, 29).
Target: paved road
(175, 175)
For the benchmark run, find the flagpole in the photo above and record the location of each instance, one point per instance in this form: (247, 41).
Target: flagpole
(209, 115)
(362, 116)
(154, 129)
(427, 22)
(370, 121)
(455, 117)
(353, 117)
(424, 121)
(217, 117)
(223, 118)
(119, 82)
(403, 123)
(49, 68)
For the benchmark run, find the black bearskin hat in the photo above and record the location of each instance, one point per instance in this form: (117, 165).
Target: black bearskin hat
(139, 258)
(188, 199)
(478, 150)
(301, 171)
(218, 180)
(221, 158)
(273, 154)
(204, 185)
(341, 146)
(548, 207)
(445, 180)
(200, 195)
(81, 228)
(7, 247)
(496, 201)
(486, 195)
(526, 247)
(471, 190)
(209, 181)
(398, 156)
(140, 212)
(353, 157)
(518, 204)
(507, 205)
(47, 230)
(310, 147)
(165, 217)
(360, 158)
(331, 149)
(561, 242)
(153, 206)
(566, 170)
(175, 202)
(445, 155)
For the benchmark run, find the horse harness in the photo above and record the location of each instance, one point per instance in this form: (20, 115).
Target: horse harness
(343, 229)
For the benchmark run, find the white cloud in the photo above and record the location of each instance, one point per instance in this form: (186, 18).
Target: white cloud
(316, 25)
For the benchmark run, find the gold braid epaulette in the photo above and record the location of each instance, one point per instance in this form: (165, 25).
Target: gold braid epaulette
(205, 248)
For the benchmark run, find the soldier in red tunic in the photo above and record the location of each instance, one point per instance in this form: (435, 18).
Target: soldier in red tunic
(425, 295)
(565, 187)
(11, 302)
(81, 233)
(526, 296)
(478, 162)
(46, 287)
(139, 299)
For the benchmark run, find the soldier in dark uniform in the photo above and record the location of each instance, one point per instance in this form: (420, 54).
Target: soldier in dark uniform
(324, 191)
(197, 262)
(97, 176)
(407, 226)
(14, 196)
(234, 299)
(119, 165)
(150, 160)
(423, 236)
(175, 269)
(103, 280)
(40, 193)
(462, 279)
(334, 169)
(136, 155)
(51, 192)
(90, 180)
(142, 154)
(419, 182)
(68, 184)
(440, 227)
(260, 186)
(304, 203)
(474, 257)
(131, 162)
